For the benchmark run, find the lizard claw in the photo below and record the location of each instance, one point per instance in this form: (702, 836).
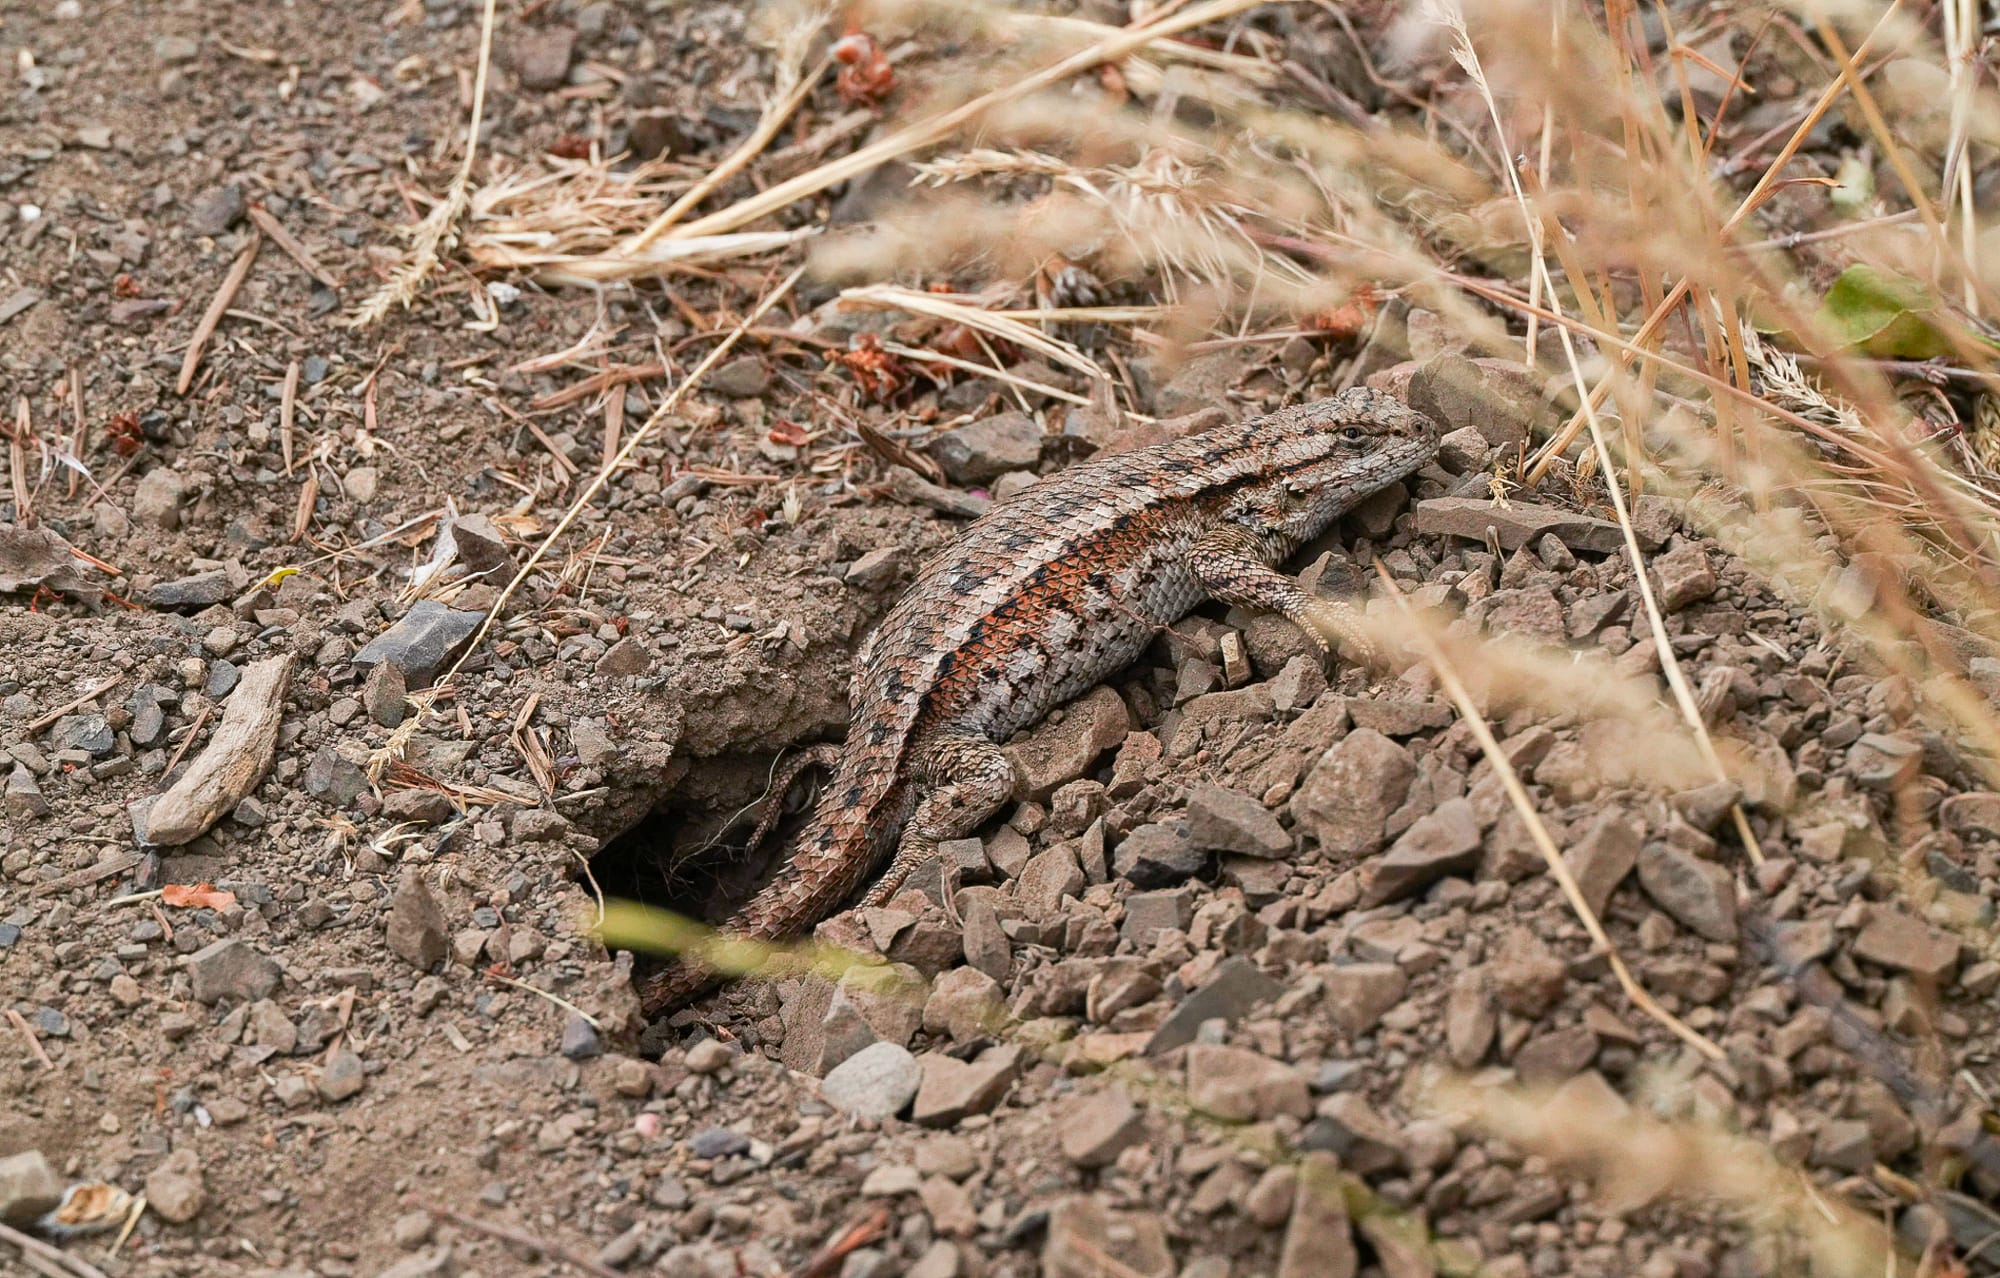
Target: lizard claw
(1340, 626)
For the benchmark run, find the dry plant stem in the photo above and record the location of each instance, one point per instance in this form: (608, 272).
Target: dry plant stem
(519, 1237)
(891, 297)
(1670, 665)
(288, 408)
(15, 1019)
(57, 1260)
(1125, 41)
(79, 439)
(1679, 293)
(17, 462)
(768, 124)
(1469, 712)
(441, 226)
(216, 306)
(96, 690)
(597, 482)
(289, 243)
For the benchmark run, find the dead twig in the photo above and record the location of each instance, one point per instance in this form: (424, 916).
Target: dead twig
(97, 690)
(238, 271)
(520, 1237)
(57, 1260)
(34, 1044)
(288, 408)
(285, 240)
(851, 1238)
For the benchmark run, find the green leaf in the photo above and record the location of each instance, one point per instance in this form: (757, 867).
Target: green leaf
(1883, 314)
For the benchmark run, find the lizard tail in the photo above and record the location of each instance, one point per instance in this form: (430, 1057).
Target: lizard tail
(856, 821)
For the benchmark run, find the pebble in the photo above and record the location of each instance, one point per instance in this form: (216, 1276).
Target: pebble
(202, 590)
(1895, 940)
(580, 1040)
(385, 694)
(24, 797)
(708, 1056)
(1220, 819)
(232, 969)
(1094, 1131)
(1700, 895)
(89, 732)
(1444, 841)
(416, 924)
(625, 658)
(28, 1187)
(1516, 524)
(1240, 1086)
(1358, 995)
(1528, 978)
(542, 56)
(1232, 990)
(1603, 856)
(952, 1089)
(1062, 750)
(1346, 800)
(1158, 854)
(745, 377)
(989, 447)
(421, 643)
(342, 1077)
(718, 1142)
(217, 209)
(175, 1190)
(879, 1081)
(156, 501)
(1319, 1241)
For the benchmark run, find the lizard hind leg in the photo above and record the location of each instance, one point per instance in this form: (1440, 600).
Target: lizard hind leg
(961, 782)
(1230, 567)
(824, 755)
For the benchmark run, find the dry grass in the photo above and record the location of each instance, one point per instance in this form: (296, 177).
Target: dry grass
(1562, 198)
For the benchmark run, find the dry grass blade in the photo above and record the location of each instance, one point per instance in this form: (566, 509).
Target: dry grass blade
(238, 271)
(891, 297)
(1637, 1159)
(1122, 43)
(1670, 663)
(289, 243)
(789, 89)
(1657, 318)
(17, 462)
(1517, 794)
(435, 235)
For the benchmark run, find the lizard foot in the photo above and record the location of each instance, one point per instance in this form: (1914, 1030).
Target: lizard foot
(1340, 626)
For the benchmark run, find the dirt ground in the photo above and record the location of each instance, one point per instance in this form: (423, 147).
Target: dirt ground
(1244, 925)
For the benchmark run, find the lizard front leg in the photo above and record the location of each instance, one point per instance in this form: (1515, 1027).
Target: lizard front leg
(960, 782)
(1229, 563)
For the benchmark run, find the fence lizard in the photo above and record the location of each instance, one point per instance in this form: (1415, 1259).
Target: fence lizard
(1051, 591)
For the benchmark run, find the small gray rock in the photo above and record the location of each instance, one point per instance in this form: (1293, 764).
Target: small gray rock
(231, 969)
(988, 448)
(216, 210)
(28, 1187)
(879, 1081)
(421, 643)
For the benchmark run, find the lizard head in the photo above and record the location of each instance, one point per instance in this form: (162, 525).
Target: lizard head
(1351, 445)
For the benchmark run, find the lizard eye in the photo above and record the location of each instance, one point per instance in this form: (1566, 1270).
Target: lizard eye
(1353, 434)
